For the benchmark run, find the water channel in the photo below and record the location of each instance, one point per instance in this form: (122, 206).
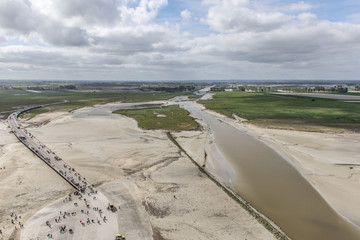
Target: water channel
(275, 187)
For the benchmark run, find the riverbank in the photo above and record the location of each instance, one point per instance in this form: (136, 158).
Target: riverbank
(267, 223)
(175, 200)
(330, 161)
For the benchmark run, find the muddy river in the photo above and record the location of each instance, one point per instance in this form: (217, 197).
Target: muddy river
(275, 187)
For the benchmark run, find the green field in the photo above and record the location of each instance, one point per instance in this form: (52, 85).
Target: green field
(11, 99)
(166, 118)
(289, 112)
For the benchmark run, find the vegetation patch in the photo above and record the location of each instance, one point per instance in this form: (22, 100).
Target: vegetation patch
(194, 97)
(11, 99)
(166, 118)
(290, 112)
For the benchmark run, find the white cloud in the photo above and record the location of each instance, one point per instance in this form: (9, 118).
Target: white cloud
(236, 16)
(307, 18)
(185, 15)
(112, 38)
(235, 3)
(145, 12)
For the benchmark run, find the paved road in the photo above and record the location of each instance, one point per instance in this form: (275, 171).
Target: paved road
(47, 155)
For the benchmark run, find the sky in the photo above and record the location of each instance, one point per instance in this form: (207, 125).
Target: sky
(180, 39)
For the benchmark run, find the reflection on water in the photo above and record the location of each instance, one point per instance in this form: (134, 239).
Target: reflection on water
(274, 187)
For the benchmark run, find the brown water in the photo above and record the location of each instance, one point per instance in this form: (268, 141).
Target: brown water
(275, 187)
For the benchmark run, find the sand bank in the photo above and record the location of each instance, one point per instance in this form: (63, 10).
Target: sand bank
(161, 194)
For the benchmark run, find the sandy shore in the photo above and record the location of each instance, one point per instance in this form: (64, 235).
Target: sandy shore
(160, 193)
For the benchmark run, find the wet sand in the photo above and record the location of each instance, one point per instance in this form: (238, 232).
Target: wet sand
(170, 193)
(161, 194)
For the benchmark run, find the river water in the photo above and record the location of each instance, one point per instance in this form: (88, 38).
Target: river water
(275, 187)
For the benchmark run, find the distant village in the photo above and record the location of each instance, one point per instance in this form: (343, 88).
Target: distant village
(284, 89)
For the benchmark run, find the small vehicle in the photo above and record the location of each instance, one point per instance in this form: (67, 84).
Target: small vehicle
(119, 237)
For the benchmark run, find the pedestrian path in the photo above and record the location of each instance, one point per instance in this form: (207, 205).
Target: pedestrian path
(48, 156)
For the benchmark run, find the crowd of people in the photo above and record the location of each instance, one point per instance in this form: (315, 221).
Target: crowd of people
(84, 189)
(48, 156)
(15, 220)
(86, 214)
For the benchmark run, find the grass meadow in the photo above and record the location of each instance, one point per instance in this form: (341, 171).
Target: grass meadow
(166, 118)
(11, 99)
(289, 112)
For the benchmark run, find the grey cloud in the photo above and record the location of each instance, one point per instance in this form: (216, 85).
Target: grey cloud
(296, 44)
(64, 36)
(34, 57)
(273, 37)
(17, 16)
(128, 41)
(91, 11)
(109, 12)
(124, 46)
(168, 61)
(43, 58)
(2, 39)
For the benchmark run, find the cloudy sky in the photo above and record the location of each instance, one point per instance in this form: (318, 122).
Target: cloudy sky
(179, 39)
